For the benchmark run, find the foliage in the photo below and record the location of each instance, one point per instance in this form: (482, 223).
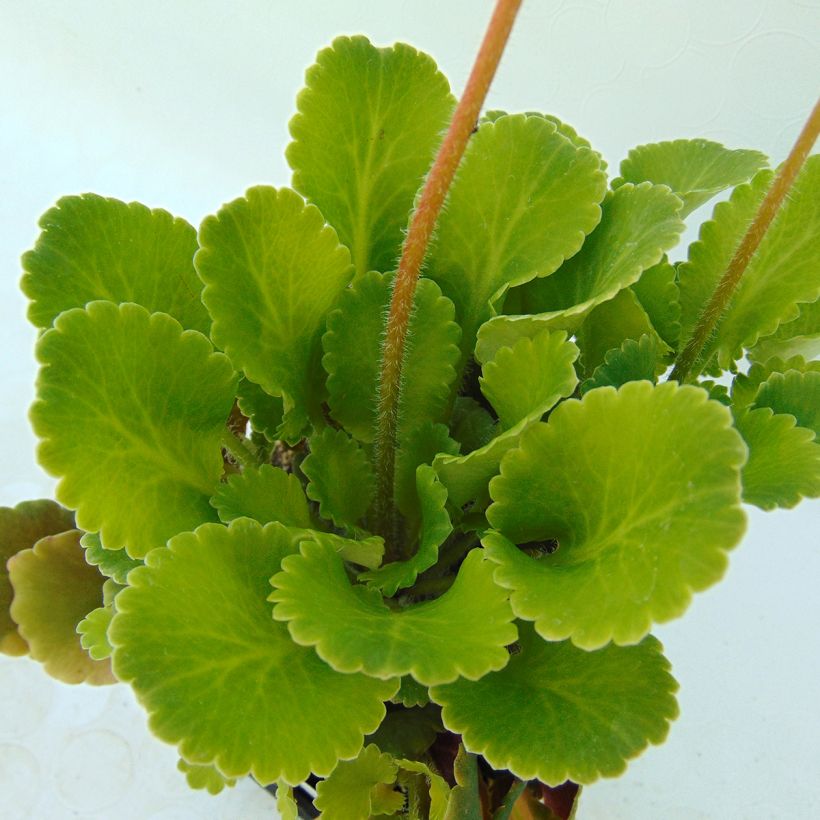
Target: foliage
(209, 404)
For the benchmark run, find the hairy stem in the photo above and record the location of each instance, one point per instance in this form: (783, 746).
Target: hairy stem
(714, 310)
(415, 247)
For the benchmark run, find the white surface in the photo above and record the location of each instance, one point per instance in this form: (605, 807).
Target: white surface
(183, 104)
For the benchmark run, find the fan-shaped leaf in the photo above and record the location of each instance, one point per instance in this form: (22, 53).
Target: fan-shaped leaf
(207, 674)
(54, 589)
(20, 528)
(113, 563)
(534, 373)
(420, 446)
(471, 425)
(632, 361)
(264, 493)
(746, 385)
(463, 632)
(205, 777)
(340, 477)
(257, 257)
(518, 175)
(640, 487)
(784, 460)
(639, 223)
(264, 411)
(93, 632)
(408, 732)
(131, 407)
(95, 248)
(435, 527)
(799, 337)
(696, 170)
(465, 798)
(611, 324)
(411, 693)
(782, 273)
(795, 393)
(558, 713)
(657, 292)
(353, 786)
(366, 131)
(285, 804)
(541, 371)
(353, 345)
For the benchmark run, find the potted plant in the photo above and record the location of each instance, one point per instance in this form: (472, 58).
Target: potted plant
(404, 538)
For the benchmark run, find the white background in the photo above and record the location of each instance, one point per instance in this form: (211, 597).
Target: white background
(184, 104)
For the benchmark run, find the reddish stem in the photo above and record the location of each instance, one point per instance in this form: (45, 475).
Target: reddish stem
(415, 247)
(713, 311)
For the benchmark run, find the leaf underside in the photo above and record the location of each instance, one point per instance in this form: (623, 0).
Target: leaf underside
(21, 527)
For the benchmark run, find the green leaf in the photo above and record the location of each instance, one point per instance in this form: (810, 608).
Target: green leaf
(205, 777)
(657, 292)
(641, 489)
(465, 800)
(93, 632)
(534, 373)
(563, 128)
(408, 732)
(95, 248)
(639, 223)
(207, 674)
(782, 273)
(784, 460)
(285, 804)
(113, 563)
(436, 792)
(273, 270)
(526, 381)
(349, 791)
(411, 693)
(463, 632)
(54, 589)
(611, 324)
(632, 361)
(264, 493)
(745, 386)
(558, 713)
(518, 175)
(264, 411)
(471, 425)
(420, 446)
(353, 347)
(131, 407)
(795, 393)
(20, 528)
(695, 170)
(340, 477)
(435, 528)
(367, 128)
(799, 337)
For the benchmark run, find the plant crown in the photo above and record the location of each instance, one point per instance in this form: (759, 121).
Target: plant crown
(208, 401)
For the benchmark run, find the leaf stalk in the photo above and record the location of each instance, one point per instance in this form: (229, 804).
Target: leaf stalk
(415, 247)
(714, 310)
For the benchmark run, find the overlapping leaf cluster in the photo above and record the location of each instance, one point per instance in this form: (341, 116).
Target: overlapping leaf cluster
(208, 402)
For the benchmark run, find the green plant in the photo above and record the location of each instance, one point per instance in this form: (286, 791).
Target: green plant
(395, 543)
